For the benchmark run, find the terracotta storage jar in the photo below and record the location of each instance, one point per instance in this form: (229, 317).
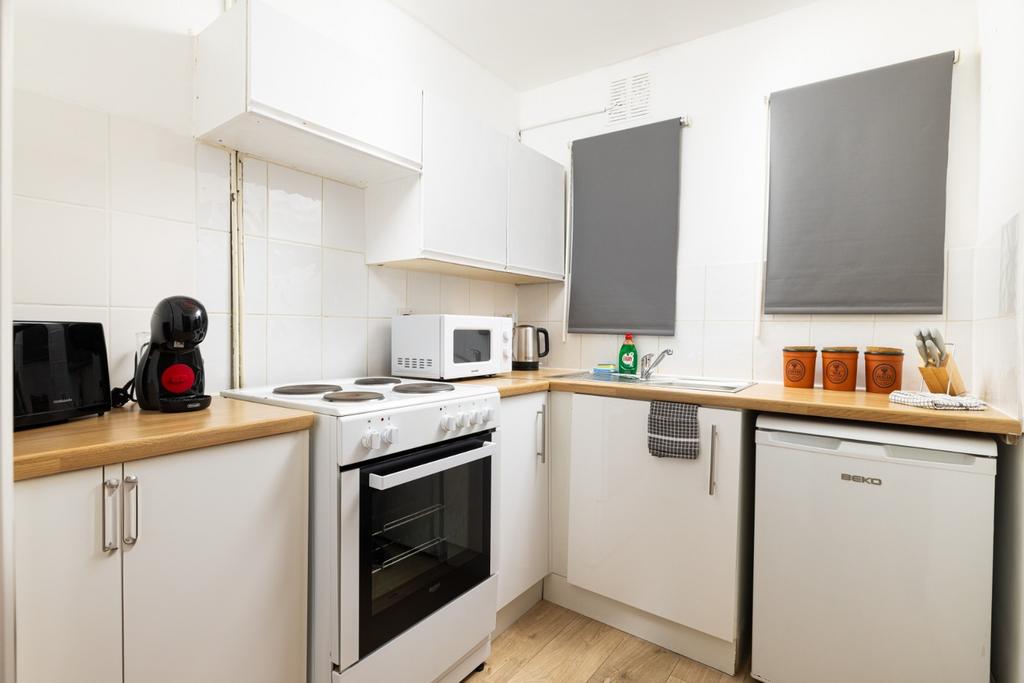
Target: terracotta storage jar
(798, 366)
(883, 370)
(839, 367)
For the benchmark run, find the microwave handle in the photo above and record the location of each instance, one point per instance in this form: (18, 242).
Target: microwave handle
(383, 482)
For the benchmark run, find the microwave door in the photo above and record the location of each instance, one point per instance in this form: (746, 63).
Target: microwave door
(469, 351)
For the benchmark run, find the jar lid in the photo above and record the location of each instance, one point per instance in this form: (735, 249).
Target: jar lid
(840, 349)
(801, 348)
(884, 351)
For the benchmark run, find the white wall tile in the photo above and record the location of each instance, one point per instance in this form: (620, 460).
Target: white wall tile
(61, 254)
(122, 341)
(344, 222)
(386, 292)
(690, 292)
(152, 170)
(345, 279)
(768, 347)
(60, 151)
(294, 205)
(378, 346)
(481, 297)
(687, 349)
(728, 349)
(84, 314)
(151, 259)
(255, 271)
(556, 301)
(344, 347)
(213, 188)
(960, 285)
(598, 348)
(216, 350)
(424, 292)
(294, 349)
(254, 351)
(730, 291)
(254, 196)
(454, 295)
(563, 354)
(532, 302)
(504, 299)
(294, 279)
(960, 340)
(214, 270)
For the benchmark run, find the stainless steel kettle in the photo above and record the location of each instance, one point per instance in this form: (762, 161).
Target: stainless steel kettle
(526, 347)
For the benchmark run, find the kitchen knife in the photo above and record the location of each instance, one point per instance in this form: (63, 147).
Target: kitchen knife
(939, 342)
(933, 352)
(923, 351)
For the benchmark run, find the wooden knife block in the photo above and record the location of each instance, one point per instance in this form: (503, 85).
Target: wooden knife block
(944, 379)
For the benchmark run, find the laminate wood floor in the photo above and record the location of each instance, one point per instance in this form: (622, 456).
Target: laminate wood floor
(551, 643)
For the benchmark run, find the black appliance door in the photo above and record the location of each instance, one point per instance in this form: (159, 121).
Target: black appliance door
(471, 346)
(425, 532)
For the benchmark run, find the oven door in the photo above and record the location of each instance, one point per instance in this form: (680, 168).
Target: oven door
(425, 534)
(472, 347)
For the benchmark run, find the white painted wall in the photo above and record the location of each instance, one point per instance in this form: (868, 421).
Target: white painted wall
(720, 82)
(115, 206)
(6, 399)
(314, 309)
(999, 304)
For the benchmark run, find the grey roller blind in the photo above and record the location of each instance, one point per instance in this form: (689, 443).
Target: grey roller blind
(857, 192)
(625, 204)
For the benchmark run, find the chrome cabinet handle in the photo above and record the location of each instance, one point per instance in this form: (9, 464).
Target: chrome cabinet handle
(130, 510)
(711, 468)
(109, 507)
(540, 434)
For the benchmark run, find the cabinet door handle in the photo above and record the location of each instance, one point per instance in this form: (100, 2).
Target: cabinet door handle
(109, 506)
(540, 433)
(711, 467)
(130, 510)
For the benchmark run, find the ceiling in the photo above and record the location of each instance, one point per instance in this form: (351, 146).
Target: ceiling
(529, 43)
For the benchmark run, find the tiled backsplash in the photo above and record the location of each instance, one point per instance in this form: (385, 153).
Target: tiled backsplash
(110, 216)
(716, 306)
(313, 307)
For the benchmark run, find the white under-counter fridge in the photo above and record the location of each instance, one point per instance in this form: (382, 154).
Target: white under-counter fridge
(872, 553)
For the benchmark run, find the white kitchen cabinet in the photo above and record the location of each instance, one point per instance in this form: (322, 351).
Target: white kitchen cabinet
(208, 580)
(663, 535)
(484, 206)
(523, 495)
(68, 589)
(281, 87)
(536, 213)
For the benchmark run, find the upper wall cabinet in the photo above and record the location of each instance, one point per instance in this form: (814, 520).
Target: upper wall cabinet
(272, 85)
(484, 205)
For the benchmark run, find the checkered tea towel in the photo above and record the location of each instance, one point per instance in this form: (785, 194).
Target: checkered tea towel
(922, 399)
(673, 431)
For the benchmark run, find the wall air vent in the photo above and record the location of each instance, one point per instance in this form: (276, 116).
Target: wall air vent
(629, 98)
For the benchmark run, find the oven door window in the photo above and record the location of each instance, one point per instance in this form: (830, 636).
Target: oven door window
(426, 535)
(471, 346)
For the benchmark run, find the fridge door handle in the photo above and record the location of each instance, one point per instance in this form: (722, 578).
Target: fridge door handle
(109, 514)
(130, 510)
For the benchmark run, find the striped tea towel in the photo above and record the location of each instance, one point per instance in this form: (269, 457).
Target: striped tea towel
(672, 430)
(923, 399)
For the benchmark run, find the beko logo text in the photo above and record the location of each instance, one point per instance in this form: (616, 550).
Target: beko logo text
(857, 479)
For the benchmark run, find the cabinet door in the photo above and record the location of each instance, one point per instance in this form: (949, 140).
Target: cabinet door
(465, 186)
(523, 501)
(215, 585)
(651, 532)
(68, 589)
(536, 213)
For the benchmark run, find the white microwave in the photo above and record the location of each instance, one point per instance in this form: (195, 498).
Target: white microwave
(450, 346)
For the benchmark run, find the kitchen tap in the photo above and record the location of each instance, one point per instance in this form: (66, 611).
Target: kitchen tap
(647, 366)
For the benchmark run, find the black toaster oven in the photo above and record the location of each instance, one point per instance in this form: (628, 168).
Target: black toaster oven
(60, 372)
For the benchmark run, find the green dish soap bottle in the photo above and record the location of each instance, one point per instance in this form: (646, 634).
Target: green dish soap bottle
(627, 356)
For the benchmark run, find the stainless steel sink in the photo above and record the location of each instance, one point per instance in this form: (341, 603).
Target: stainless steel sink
(729, 386)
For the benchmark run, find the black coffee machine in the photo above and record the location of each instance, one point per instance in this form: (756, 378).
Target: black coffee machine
(170, 376)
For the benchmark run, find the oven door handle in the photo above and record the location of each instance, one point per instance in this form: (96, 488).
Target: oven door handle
(383, 482)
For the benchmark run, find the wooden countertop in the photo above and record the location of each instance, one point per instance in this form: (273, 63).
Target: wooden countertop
(126, 434)
(771, 398)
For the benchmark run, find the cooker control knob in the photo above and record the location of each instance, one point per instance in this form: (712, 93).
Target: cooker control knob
(390, 434)
(488, 414)
(476, 417)
(448, 423)
(463, 419)
(371, 438)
